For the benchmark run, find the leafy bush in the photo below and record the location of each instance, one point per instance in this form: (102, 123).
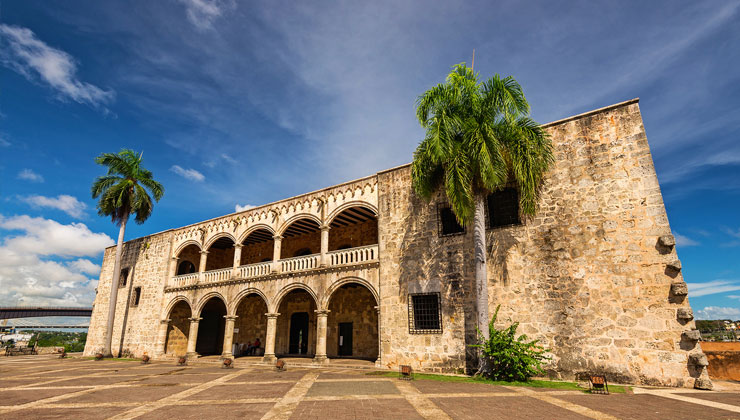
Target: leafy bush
(508, 357)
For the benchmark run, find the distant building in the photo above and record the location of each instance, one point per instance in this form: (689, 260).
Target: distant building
(366, 269)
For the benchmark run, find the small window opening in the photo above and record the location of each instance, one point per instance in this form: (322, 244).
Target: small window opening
(124, 278)
(503, 208)
(185, 267)
(448, 224)
(136, 297)
(424, 314)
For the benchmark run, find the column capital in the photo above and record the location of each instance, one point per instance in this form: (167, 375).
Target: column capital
(231, 317)
(272, 315)
(325, 227)
(204, 252)
(322, 312)
(195, 319)
(238, 245)
(165, 321)
(277, 237)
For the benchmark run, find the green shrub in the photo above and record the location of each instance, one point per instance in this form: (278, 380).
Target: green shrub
(508, 357)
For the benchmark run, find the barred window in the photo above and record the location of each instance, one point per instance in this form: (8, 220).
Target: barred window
(136, 296)
(424, 314)
(448, 224)
(124, 278)
(503, 208)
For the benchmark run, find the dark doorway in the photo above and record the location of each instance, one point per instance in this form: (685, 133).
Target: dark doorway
(345, 339)
(211, 328)
(298, 333)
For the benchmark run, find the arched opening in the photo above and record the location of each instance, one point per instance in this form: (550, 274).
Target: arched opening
(258, 247)
(250, 326)
(211, 328)
(220, 254)
(352, 326)
(353, 227)
(189, 257)
(296, 325)
(176, 343)
(302, 237)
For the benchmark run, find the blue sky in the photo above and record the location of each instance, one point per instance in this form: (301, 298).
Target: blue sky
(243, 103)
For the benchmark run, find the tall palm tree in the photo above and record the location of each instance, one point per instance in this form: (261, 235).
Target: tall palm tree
(123, 191)
(479, 137)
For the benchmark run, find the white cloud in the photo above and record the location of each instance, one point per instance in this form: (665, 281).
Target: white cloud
(84, 266)
(29, 175)
(682, 240)
(239, 207)
(48, 237)
(190, 174)
(202, 13)
(30, 270)
(23, 52)
(718, 312)
(713, 287)
(65, 203)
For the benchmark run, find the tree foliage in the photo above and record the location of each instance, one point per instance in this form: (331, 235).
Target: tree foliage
(510, 357)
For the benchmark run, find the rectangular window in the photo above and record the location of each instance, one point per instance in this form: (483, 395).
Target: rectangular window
(124, 278)
(448, 222)
(503, 208)
(136, 296)
(424, 314)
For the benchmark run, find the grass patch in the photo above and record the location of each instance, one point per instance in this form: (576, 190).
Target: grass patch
(534, 383)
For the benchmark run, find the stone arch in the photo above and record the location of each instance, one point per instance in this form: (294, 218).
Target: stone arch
(185, 244)
(289, 288)
(218, 236)
(253, 228)
(179, 312)
(347, 280)
(244, 293)
(203, 300)
(174, 301)
(293, 219)
(353, 203)
(212, 312)
(352, 321)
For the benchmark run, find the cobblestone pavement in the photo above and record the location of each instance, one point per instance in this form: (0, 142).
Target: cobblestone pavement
(42, 387)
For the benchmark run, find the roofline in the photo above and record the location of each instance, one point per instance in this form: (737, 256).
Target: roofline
(547, 125)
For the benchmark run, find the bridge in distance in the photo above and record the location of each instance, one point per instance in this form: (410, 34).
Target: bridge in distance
(39, 311)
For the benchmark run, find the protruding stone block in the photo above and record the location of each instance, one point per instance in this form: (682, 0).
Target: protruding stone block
(679, 288)
(693, 335)
(675, 265)
(685, 314)
(667, 240)
(698, 359)
(701, 383)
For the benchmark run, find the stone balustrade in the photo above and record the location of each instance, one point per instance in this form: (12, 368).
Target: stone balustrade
(306, 262)
(354, 255)
(185, 279)
(254, 270)
(211, 276)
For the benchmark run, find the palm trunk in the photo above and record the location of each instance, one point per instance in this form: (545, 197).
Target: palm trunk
(114, 291)
(481, 276)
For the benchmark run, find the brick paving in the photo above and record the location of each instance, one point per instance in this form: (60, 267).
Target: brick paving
(42, 387)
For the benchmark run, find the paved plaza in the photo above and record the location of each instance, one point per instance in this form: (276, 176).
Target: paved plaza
(43, 387)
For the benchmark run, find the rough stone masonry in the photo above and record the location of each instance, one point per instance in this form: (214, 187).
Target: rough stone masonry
(366, 269)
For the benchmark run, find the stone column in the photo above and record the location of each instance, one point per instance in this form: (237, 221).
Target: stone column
(378, 362)
(228, 337)
(172, 269)
(237, 259)
(202, 265)
(276, 253)
(193, 337)
(325, 245)
(162, 337)
(270, 339)
(321, 328)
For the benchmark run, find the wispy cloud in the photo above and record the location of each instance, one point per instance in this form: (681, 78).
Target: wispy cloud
(239, 207)
(203, 13)
(682, 240)
(4, 142)
(718, 312)
(30, 175)
(190, 174)
(23, 52)
(713, 287)
(63, 202)
(735, 234)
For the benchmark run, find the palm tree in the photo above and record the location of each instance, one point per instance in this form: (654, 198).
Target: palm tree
(479, 137)
(123, 192)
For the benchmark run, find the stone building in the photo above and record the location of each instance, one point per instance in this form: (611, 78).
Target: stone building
(366, 269)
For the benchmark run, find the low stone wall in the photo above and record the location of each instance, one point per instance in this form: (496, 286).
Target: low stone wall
(724, 359)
